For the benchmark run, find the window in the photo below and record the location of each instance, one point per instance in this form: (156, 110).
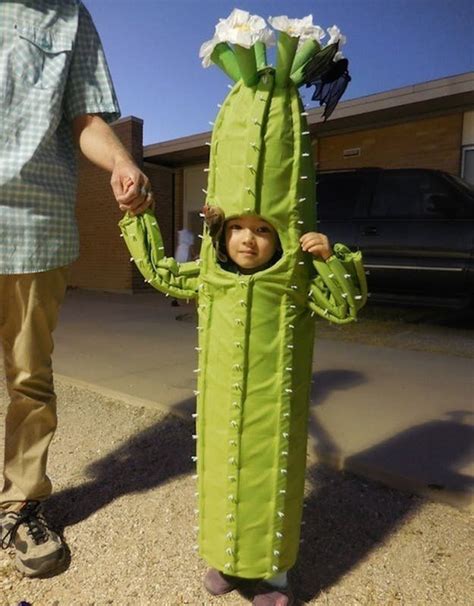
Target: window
(417, 195)
(398, 195)
(467, 171)
(439, 199)
(339, 195)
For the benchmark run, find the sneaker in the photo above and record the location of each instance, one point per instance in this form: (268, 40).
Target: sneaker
(218, 583)
(267, 595)
(39, 550)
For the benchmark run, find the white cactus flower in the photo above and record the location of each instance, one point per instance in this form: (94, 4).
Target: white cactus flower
(317, 33)
(335, 35)
(241, 28)
(296, 28)
(338, 56)
(268, 37)
(206, 51)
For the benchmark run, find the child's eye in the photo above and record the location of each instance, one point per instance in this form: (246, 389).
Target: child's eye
(234, 226)
(263, 229)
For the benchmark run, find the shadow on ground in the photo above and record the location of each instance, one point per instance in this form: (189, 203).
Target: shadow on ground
(148, 459)
(345, 516)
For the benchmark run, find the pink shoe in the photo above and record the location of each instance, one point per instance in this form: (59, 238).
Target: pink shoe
(218, 583)
(267, 595)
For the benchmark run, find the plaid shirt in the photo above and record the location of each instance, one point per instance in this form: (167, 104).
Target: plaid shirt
(52, 69)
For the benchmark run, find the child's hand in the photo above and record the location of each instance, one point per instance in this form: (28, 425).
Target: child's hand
(317, 244)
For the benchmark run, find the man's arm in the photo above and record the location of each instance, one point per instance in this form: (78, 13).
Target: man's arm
(102, 147)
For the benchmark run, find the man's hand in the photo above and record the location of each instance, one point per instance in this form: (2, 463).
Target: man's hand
(317, 244)
(100, 145)
(131, 187)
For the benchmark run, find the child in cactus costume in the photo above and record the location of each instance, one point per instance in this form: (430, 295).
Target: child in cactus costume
(255, 324)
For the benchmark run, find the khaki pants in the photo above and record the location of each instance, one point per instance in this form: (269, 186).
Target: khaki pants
(29, 307)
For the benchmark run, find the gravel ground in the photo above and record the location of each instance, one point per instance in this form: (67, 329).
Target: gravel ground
(124, 499)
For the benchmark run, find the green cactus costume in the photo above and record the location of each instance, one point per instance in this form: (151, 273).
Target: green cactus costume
(255, 331)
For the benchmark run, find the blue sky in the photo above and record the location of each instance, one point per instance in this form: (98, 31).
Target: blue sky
(152, 48)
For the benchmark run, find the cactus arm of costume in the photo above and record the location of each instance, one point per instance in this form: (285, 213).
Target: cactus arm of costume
(339, 290)
(143, 239)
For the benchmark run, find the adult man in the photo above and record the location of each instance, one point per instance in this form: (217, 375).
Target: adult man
(55, 90)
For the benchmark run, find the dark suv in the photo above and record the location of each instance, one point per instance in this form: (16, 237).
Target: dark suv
(415, 228)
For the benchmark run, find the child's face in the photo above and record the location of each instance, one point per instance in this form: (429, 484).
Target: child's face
(250, 241)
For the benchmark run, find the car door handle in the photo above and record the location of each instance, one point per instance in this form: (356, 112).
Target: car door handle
(370, 230)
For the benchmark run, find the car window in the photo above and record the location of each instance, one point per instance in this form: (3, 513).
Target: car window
(340, 196)
(440, 199)
(464, 192)
(399, 195)
(417, 195)
(464, 186)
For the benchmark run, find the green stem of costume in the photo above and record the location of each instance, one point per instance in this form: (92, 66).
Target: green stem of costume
(223, 56)
(260, 55)
(247, 64)
(286, 50)
(305, 54)
(323, 58)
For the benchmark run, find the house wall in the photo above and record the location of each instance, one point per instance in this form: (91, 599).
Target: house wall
(429, 143)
